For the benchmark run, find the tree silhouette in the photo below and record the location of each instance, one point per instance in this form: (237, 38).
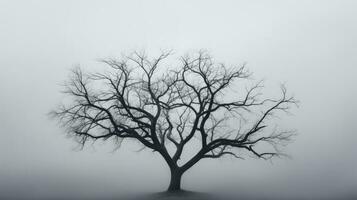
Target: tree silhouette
(196, 103)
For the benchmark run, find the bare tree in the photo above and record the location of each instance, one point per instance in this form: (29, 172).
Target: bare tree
(169, 109)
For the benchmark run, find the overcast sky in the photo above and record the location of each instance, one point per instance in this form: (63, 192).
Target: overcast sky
(309, 45)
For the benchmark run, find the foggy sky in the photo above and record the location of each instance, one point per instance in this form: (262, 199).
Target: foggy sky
(309, 45)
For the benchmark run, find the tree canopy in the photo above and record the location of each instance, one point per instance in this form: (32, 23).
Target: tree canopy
(166, 107)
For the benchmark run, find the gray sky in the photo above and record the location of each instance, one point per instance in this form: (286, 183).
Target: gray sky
(309, 45)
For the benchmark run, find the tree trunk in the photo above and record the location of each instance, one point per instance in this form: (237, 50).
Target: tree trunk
(175, 182)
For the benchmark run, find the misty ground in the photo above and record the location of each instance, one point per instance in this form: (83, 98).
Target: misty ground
(183, 195)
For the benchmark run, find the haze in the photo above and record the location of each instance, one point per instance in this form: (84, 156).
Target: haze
(310, 46)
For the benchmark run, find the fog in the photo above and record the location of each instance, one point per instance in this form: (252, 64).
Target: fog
(310, 46)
